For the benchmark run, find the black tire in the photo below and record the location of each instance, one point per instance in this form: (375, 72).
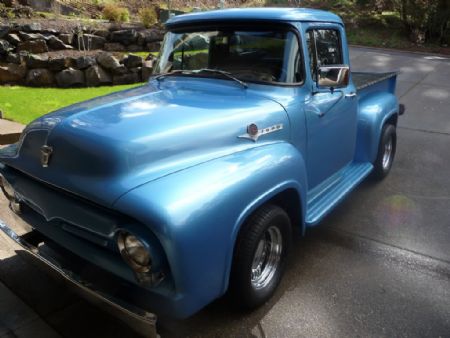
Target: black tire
(267, 221)
(385, 158)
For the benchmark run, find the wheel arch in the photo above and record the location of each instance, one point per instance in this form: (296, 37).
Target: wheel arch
(374, 112)
(287, 195)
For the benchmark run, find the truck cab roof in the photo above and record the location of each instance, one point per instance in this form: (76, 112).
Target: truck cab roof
(255, 14)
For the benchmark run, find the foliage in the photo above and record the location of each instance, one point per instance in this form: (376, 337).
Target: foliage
(115, 13)
(24, 104)
(425, 19)
(282, 3)
(148, 16)
(6, 12)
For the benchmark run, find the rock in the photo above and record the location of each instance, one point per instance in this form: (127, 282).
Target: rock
(147, 70)
(125, 79)
(107, 61)
(153, 46)
(148, 35)
(133, 61)
(5, 47)
(96, 76)
(12, 73)
(134, 48)
(103, 33)
(31, 36)
(36, 61)
(57, 44)
(13, 39)
(66, 38)
(84, 62)
(121, 70)
(125, 37)
(36, 46)
(14, 58)
(89, 42)
(4, 30)
(69, 78)
(114, 47)
(31, 27)
(40, 77)
(57, 64)
(50, 31)
(138, 72)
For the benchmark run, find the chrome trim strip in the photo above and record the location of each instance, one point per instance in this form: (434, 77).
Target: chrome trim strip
(136, 316)
(261, 132)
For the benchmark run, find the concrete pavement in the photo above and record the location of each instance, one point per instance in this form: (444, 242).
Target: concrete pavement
(379, 265)
(9, 131)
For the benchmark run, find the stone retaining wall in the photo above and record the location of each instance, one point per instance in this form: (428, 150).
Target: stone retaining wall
(85, 58)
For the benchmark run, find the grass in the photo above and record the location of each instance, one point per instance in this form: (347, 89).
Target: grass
(24, 104)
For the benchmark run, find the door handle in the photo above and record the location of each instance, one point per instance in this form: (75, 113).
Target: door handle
(350, 95)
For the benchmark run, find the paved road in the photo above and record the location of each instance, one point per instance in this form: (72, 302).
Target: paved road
(378, 266)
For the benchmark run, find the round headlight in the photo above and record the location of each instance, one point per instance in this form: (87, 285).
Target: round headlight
(134, 251)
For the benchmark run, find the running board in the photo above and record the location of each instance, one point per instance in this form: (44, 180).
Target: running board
(322, 199)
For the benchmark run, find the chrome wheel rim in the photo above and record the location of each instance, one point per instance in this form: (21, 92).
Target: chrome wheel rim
(387, 154)
(266, 258)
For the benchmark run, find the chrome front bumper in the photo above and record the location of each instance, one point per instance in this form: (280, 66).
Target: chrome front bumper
(139, 320)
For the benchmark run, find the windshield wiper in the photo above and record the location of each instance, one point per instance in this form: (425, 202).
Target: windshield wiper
(222, 72)
(159, 77)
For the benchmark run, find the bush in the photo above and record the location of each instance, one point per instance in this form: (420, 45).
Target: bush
(425, 19)
(148, 16)
(114, 13)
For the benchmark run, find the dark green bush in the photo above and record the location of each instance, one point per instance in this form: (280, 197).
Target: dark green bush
(425, 19)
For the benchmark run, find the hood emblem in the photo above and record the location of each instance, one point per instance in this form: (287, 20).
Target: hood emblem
(46, 153)
(253, 133)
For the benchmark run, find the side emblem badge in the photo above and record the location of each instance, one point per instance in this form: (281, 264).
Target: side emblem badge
(46, 153)
(253, 133)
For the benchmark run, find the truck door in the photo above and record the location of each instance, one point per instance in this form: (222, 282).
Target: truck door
(331, 115)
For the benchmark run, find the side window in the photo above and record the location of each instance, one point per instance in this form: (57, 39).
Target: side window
(324, 47)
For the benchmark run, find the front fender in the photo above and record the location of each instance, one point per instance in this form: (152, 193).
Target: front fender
(374, 111)
(196, 213)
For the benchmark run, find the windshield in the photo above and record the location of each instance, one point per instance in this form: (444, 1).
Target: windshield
(259, 56)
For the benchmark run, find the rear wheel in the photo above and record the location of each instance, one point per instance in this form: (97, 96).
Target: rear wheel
(386, 152)
(260, 256)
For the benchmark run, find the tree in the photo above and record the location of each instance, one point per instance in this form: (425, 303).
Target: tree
(425, 19)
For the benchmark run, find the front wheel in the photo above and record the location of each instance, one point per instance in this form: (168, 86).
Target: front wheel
(260, 256)
(386, 152)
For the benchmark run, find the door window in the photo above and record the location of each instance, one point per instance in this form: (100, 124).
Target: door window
(324, 48)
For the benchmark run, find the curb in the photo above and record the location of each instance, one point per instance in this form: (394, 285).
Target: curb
(10, 131)
(9, 138)
(401, 51)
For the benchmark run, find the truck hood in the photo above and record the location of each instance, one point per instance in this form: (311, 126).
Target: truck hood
(104, 147)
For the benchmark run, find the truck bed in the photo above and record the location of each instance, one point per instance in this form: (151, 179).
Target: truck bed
(366, 83)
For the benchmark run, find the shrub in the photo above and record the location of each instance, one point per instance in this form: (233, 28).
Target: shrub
(115, 13)
(148, 16)
(425, 19)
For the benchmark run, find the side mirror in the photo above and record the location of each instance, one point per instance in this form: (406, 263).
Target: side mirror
(334, 76)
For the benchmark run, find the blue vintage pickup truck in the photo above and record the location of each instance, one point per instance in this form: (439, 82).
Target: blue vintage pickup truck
(164, 197)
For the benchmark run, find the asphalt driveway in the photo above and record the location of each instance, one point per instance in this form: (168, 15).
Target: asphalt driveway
(377, 266)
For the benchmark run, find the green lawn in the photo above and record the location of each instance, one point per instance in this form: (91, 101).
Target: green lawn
(24, 104)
